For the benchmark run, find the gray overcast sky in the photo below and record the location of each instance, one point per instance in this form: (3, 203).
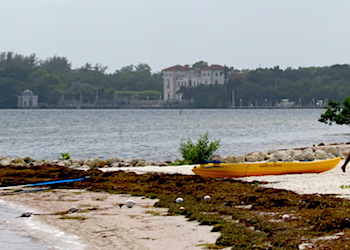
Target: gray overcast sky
(245, 34)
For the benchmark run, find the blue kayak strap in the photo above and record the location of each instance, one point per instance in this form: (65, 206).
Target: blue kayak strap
(54, 182)
(202, 161)
(45, 183)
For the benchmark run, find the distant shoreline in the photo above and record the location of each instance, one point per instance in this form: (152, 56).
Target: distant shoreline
(184, 108)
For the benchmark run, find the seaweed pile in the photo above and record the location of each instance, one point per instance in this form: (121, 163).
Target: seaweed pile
(247, 215)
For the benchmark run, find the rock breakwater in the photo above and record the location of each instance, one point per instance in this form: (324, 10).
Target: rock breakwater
(309, 153)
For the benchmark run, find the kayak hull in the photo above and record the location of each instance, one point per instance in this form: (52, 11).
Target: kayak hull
(221, 170)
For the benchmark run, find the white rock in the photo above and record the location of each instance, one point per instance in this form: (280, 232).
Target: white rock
(251, 158)
(129, 203)
(207, 197)
(285, 216)
(179, 200)
(5, 162)
(304, 246)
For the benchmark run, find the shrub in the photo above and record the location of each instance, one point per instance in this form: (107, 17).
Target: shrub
(203, 149)
(65, 156)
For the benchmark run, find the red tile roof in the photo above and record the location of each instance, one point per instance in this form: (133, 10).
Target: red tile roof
(177, 68)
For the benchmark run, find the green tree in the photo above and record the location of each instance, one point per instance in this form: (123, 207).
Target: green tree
(200, 64)
(336, 114)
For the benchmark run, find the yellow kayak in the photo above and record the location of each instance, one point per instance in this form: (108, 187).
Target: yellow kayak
(220, 170)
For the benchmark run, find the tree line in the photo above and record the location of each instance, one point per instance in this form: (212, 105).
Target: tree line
(265, 87)
(54, 78)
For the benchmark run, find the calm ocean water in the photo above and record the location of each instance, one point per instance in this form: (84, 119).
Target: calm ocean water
(156, 134)
(149, 134)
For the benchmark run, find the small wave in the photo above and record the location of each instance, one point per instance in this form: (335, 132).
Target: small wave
(17, 231)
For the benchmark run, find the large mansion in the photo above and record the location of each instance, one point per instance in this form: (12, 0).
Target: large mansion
(176, 76)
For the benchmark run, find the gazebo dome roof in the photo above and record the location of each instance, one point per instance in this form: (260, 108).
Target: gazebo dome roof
(27, 92)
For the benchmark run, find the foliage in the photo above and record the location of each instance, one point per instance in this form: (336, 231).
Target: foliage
(51, 79)
(65, 156)
(203, 149)
(267, 86)
(337, 114)
(54, 79)
(200, 64)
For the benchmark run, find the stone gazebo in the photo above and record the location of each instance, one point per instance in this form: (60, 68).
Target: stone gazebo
(27, 100)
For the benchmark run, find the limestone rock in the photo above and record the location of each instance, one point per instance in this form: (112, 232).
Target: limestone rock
(93, 162)
(234, 159)
(115, 160)
(320, 154)
(309, 154)
(251, 158)
(336, 151)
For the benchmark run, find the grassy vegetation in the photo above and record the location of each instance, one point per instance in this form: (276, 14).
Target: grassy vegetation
(247, 215)
(202, 149)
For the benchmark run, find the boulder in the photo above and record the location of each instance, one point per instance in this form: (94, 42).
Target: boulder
(38, 163)
(281, 155)
(141, 163)
(85, 167)
(309, 154)
(233, 159)
(137, 162)
(251, 157)
(77, 161)
(115, 160)
(93, 162)
(216, 158)
(299, 156)
(261, 156)
(123, 164)
(75, 166)
(6, 162)
(320, 154)
(336, 151)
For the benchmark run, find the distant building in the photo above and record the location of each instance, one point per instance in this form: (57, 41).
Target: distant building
(27, 100)
(285, 103)
(176, 76)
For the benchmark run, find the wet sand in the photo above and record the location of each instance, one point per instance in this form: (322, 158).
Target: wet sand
(101, 223)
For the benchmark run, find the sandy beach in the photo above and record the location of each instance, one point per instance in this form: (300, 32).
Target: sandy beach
(101, 223)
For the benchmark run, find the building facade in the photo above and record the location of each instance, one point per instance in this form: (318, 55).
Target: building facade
(177, 76)
(27, 100)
